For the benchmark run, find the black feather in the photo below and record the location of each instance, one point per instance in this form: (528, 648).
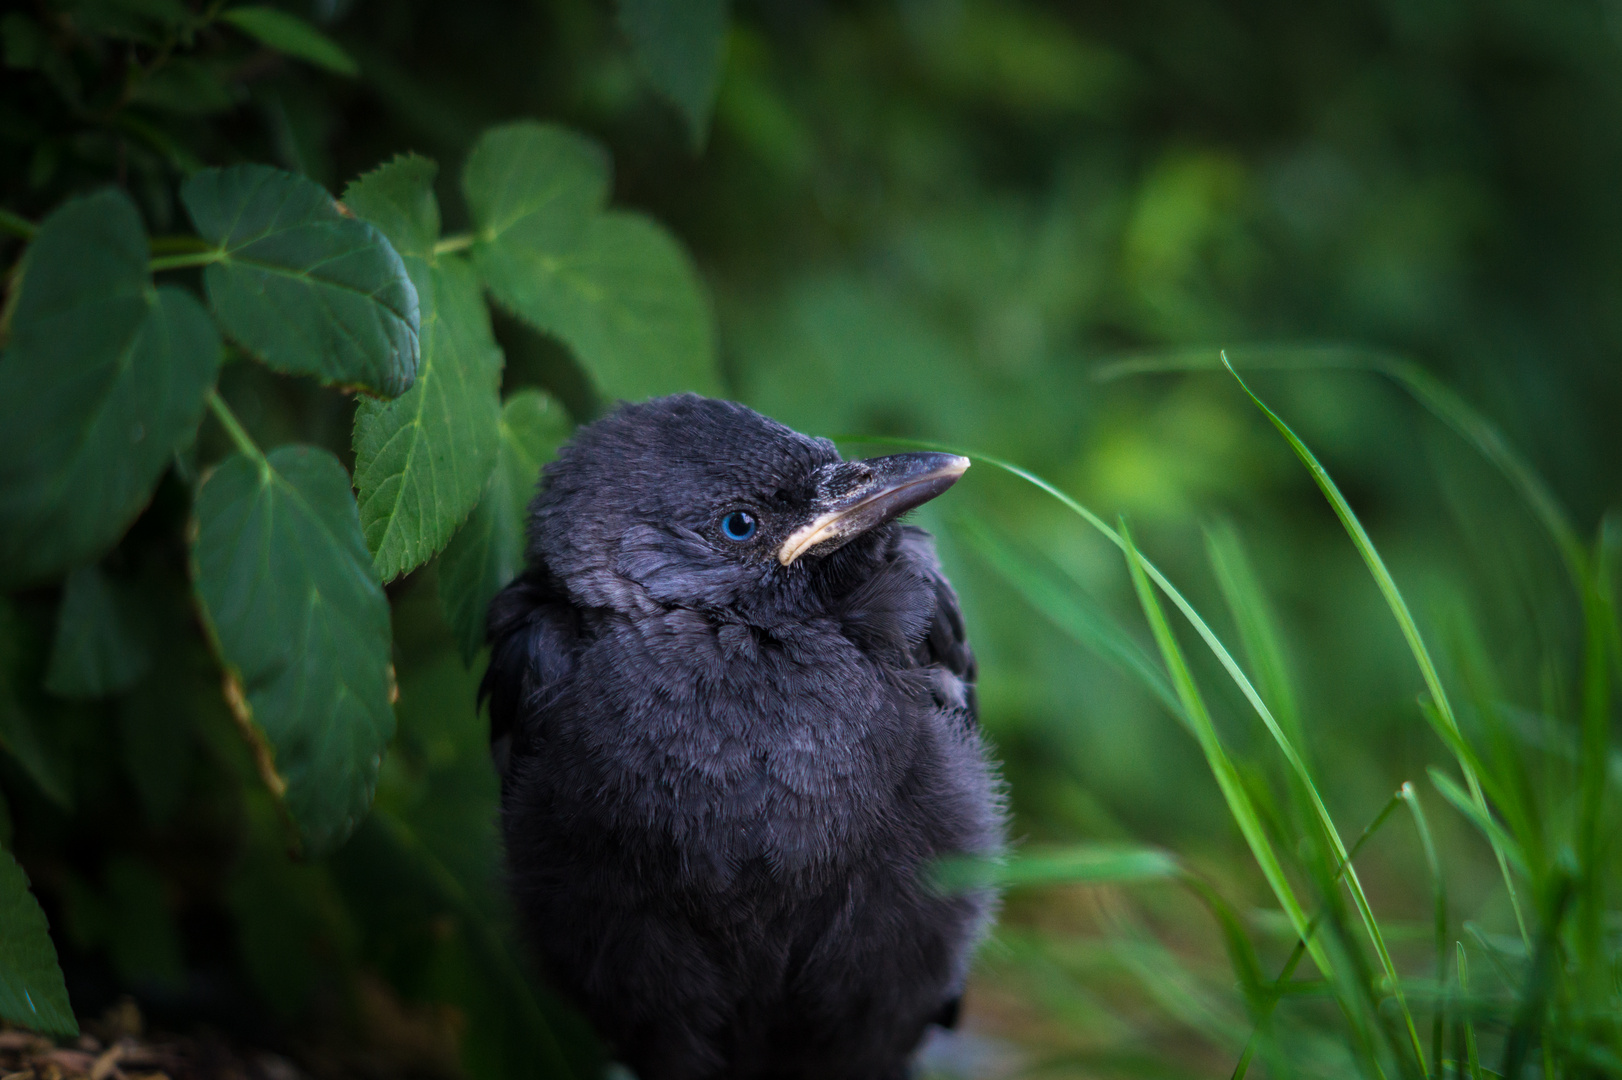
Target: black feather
(724, 779)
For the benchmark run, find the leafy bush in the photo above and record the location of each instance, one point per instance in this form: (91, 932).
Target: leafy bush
(106, 378)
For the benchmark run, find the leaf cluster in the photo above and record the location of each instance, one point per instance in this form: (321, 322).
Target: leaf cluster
(167, 545)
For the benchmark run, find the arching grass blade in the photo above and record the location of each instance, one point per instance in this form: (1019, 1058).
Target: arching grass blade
(1439, 889)
(1436, 397)
(1047, 592)
(1227, 777)
(1240, 679)
(1399, 609)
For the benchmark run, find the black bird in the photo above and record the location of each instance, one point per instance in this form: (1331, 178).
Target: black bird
(732, 706)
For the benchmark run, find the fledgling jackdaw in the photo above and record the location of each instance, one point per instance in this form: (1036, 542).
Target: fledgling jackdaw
(732, 706)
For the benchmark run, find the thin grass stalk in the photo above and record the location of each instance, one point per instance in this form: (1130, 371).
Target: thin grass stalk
(1599, 635)
(1241, 680)
(1467, 422)
(1399, 609)
(1496, 835)
(1089, 629)
(1258, 629)
(1238, 800)
(1439, 888)
(1299, 950)
(1216, 756)
(1530, 1017)
(1508, 782)
(1469, 1051)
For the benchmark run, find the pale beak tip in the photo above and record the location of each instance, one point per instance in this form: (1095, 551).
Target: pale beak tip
(937, 470)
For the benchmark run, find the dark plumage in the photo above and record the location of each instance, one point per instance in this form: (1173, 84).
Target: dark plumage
(729, 752)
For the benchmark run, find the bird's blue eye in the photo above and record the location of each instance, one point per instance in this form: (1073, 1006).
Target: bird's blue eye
(738, 525)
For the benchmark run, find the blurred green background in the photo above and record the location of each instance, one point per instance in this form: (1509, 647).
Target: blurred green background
(962, 221)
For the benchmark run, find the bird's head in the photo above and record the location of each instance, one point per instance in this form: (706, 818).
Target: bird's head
(693, 502)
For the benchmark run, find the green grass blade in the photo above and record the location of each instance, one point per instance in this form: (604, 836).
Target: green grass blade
(1258, 626)
(1461, 749)
(1505, 773)
(1263, 645)
(1480, 817)
(1472, 1054)
(1532, 1015)
(1106, 864)
(1468, 423)
(1053, 596)
(1091, 864)
(1399, 609)
(1216, 757)
(1241, 680)
(1299, 951)
(1439, 889)
(1600, 637)
(1241, 953)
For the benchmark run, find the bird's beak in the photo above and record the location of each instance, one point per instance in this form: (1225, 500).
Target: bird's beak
(855, 496)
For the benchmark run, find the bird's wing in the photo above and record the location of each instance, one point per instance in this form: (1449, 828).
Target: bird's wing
(945, 643)
(532, 630)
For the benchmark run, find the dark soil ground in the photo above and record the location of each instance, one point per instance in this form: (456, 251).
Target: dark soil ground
(116, 1048)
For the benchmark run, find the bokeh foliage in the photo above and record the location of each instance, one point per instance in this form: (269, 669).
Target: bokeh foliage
(1021, 228)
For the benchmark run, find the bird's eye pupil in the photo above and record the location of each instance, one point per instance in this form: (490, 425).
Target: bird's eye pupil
(738, 525)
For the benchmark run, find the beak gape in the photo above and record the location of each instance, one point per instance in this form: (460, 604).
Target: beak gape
(855, 496)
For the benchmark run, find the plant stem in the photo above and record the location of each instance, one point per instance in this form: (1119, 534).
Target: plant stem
(233, 427)
(17, 225)
(177, 245)
(181, 262)
(460, 242)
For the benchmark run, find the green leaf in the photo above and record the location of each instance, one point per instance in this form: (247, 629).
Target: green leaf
(678, 45)
(302, 287)
(630, 305)
(99, 651)
(422, 459)
(32, 993)
(488, 551)
(615, 288)
(289, 34)
(302, 626)
(104, 379)
(534, 186)
(626, 301)
(399, 199)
